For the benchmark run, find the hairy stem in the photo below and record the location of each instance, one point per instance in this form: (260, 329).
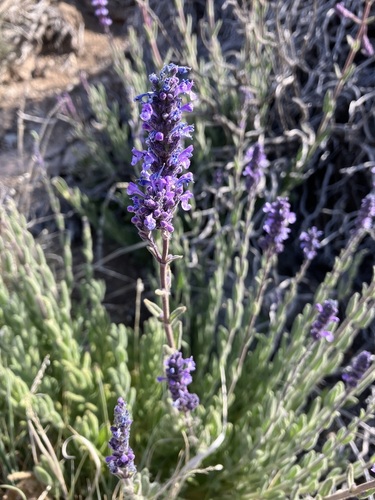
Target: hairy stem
(165, 283)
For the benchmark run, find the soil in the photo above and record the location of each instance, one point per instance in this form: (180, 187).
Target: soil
(28, 94)
(29, 90)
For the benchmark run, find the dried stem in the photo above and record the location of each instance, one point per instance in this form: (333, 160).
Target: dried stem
(354, 491)
(343, 78)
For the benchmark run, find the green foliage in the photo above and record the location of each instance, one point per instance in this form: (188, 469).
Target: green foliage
(271, 429)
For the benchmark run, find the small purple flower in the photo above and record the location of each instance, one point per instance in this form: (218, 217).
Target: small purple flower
(177, 371)
(162, 180)
(366, 213)
(276, 224)
(310, 242)
(367, 47)
(101, 12)
(327, 315)
(357, 369)
(121, 462)
(256, 162)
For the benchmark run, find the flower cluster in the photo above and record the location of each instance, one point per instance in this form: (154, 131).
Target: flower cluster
(366, 213)
(177, 370)
(310, 242)
(276, 224)
(357, 369)
(161, 186)
(256, 161)
(327, 314)
(121, 462)
(101, 12)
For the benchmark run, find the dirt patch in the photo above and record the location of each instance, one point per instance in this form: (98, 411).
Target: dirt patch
(30, 85)
(29, 91)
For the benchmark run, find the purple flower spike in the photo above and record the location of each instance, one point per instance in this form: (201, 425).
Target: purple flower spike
(357, 369)
(310, 242)
(366, 213)
(121, 462)
(256, 161)
(276, 224)
(162, 182)
(177, 370)
(101, 12)
(327, 315)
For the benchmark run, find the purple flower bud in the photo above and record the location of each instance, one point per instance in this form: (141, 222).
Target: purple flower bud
(366, 213)
(357, 369)
(276, 224)
(159, 136)
(184, 200)
(150, 222)
(102, 12)
(121, 462)
(327, 315)
(146, 112)
(177, 370)
(310, 242)
(367, 47)
(256, 163)
(134, 189)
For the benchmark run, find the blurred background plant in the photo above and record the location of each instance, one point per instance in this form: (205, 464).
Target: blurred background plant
(275, 419)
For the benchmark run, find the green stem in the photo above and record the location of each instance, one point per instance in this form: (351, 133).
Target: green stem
(165, 287)
(250, 329)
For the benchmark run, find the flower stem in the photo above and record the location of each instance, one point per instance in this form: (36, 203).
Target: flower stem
(165, 283)
(249, 335)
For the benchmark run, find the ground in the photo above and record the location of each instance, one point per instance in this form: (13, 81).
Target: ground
(29, 93)
(30, 90)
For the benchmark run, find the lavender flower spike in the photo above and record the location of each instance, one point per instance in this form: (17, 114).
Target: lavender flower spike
(327, 314)
(310, 242)
(256, 161)
(276, 224)
(366, 213)
(161, 186)
(357, 369)
(121, 462)
(177, 370)
(101, 12)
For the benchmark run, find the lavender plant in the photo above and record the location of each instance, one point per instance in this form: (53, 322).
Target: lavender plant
(157, 194)
(262, 290)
